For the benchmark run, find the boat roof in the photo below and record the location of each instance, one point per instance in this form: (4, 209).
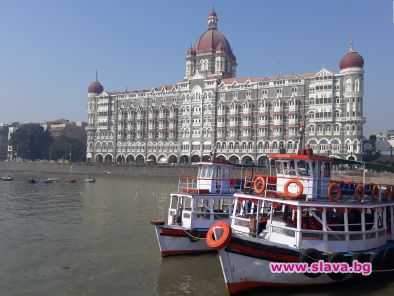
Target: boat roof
(300, 156)
(215, 163)
(317, 203)
(203, 195)
(378, 167)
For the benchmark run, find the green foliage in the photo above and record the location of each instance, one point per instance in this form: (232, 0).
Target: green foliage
(63, 145)
(30, 141)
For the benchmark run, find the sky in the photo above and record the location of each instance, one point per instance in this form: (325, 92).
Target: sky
(50, 49)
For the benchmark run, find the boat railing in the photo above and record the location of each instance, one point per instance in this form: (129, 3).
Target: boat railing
(305, 228)
(318, 188)
(202, 219)
(198, 185)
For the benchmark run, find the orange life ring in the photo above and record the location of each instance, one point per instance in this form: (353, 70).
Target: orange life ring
(331, 188)
(293, 195)
(257, 188)
(375, 192)
(387, 192)
(222, 241)
(359, 195)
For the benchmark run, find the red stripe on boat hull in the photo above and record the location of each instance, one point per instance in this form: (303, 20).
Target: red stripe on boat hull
(183, 252)
(180, 232)
(246, 250)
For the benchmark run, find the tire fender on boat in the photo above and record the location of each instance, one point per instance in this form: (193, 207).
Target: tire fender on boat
(388, 258)
(361, 258)
(223, 240)
(309, 256)
(337, 258)
(376, 259)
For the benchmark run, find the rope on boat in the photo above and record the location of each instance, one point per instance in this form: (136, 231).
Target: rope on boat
(192, 236)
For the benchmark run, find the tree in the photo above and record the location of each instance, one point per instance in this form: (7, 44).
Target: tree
(30, 141)
(63, 145)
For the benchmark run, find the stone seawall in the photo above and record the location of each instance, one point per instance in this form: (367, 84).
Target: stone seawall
(114, 169)
(98, 169)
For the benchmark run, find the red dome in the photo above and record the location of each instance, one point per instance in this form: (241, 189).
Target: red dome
(210, 41)
(351, 59)
(95, 88)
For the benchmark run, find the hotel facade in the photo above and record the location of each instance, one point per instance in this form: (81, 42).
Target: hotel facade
(242, 118)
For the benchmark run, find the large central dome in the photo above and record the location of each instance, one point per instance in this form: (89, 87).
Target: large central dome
(210, 40)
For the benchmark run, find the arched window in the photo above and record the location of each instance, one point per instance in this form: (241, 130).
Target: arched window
(294, 91)
(357, 85)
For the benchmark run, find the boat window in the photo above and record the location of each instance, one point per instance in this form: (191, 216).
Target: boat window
(218, 172)
(209, 172)
(289, 168)
(222, 205)
(278, 165)
(226, 173)
(205, 172)
(200, 171)
(202, 209)
(303, 168)
(327, 169)
(174, 202)
(187, 203)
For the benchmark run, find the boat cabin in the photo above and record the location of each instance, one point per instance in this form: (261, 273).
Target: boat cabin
(323, 225)
(199, 211)
(313, 172)
(212, 177)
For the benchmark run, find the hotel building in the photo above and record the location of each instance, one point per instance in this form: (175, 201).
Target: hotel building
(242, 118)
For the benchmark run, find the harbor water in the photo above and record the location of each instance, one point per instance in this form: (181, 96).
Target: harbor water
(96, 239)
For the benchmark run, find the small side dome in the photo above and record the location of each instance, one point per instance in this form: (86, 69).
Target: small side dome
(95, 88)
(351, 58)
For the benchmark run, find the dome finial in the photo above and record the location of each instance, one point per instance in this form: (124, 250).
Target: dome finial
(212, 19)
(96, 75)
(351, 44)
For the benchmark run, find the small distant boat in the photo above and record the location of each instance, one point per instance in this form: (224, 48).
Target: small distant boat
(51, 180)
(44, 181)
(90, 180)
(8, 178)
(72, 180)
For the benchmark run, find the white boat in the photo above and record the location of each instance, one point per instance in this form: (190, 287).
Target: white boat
(199, 202)
(90, 180)
(302, 215)
(8, 178)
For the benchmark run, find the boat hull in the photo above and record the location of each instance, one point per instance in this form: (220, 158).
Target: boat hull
(175, 240)
(246, 265)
